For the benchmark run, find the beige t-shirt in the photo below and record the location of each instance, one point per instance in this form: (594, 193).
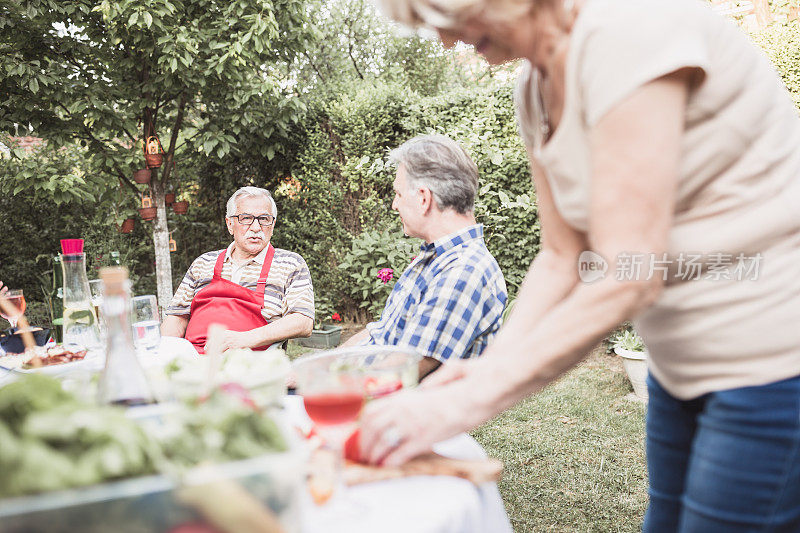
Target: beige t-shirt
(738, 195)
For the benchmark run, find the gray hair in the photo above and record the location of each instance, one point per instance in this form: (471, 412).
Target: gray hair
(451, 13)
(443, 166)
(230, 207)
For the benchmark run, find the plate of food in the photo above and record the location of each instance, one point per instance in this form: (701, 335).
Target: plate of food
(53, 360)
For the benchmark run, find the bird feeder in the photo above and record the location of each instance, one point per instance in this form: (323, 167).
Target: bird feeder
(153, 152)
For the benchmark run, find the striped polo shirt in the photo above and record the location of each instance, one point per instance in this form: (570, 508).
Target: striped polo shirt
(288, 290)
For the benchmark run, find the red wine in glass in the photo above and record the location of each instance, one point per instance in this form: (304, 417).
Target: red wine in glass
(16, 299)
(333, 408)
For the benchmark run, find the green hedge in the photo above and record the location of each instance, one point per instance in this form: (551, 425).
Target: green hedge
(781, 43)
(347, 187)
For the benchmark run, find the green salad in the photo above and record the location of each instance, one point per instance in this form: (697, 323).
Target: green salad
(50, 440)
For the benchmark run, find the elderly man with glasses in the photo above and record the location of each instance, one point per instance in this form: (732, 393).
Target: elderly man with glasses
(261, 294)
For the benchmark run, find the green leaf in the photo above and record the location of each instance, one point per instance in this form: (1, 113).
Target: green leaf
(134, 18)
(148, 19)
(33, 85)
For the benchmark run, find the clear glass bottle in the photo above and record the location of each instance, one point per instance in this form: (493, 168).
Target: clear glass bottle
(80, 323)
(123, 380)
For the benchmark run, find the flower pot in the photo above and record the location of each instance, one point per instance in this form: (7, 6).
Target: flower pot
(142, 176)
(153, 160)
(127, 225)
(635, 364)
(147, 213)
(325, 337)
(169, 198)
(180, 208)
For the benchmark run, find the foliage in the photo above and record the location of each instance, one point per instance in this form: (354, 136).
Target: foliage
(323, 310)
(354, 43)
(345, 181)
(507, 311)
(328, 171)
(55, 174)
(110, 73)
(370, 252)
(148, 56)
(781, 42)
(36, 217)
(628, 340)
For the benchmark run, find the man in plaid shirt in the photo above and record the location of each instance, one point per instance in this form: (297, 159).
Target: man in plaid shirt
(449, 301)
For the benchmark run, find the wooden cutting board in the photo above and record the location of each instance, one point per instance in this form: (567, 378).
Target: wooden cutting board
(431, 464)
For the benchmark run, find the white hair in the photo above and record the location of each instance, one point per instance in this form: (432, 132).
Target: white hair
(451, 13)
(230, 207)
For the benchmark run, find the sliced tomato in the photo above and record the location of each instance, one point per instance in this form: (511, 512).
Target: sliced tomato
(352, 447)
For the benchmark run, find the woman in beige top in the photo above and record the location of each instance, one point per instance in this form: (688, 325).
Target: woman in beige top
(663, 141)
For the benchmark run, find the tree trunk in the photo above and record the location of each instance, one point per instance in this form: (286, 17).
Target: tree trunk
(161, 244)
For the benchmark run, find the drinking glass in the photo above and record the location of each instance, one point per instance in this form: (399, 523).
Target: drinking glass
(335, 385)
(96, 290)
(146, 325)
(17, 300)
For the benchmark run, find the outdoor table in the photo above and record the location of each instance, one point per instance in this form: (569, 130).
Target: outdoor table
(422, 504)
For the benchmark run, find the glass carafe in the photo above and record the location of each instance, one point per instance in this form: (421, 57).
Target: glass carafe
(123, 380)
(80, 322)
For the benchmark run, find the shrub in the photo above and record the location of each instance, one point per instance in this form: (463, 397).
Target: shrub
(370, 252)
(781, 43)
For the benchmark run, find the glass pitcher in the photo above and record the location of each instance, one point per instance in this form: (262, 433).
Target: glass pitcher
(80, 322)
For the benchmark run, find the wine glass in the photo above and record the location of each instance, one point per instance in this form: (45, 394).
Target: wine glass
(17, 300)
(333, 395)
(336, 384)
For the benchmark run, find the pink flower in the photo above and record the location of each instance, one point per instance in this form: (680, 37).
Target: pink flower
(385, 275)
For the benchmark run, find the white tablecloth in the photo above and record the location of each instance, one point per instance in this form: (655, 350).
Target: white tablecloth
(420, 504)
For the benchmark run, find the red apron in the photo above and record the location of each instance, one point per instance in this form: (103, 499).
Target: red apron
(224, 302)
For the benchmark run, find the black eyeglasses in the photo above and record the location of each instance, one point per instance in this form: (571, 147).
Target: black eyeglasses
(246, 219)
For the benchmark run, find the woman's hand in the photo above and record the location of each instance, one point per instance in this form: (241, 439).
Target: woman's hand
(409, 423)
(447, 373)
(3, 289)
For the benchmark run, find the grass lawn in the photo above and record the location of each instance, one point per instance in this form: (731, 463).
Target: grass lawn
(573, 454)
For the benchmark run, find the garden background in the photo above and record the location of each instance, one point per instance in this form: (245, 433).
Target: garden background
(305, 98)
(346, 88)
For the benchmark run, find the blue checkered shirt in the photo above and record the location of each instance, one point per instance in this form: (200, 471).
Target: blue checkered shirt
(448, 302)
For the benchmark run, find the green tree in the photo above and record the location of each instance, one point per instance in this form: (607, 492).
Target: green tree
(357, 46)
(208, 75)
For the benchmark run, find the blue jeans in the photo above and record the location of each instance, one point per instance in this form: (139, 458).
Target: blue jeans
(728, 461)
